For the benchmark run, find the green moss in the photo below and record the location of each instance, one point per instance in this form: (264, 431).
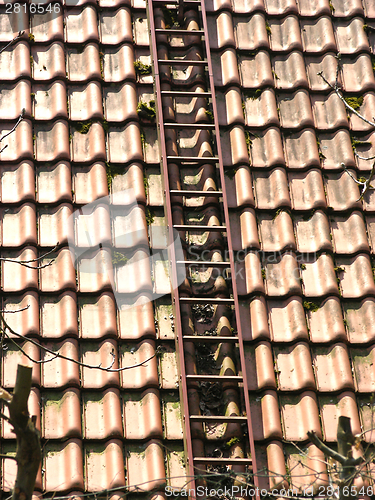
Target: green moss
(142, 69)
(143, 137)
(310, 306)
(31, 60)
(105, 126)
(111, 172)
(232, 442)
(149, 216)
(101, 58)
(357, 142)
(303, 267)
(354, 102)
(331, 6)
(82, 127)
(31, 38)
(253, 94)
(339, 269)
(268, 28)
(146, 111)
(248, 140)
(119, 258)
(230, 173)
(264, 274)
(170, 18)
(32, 95)
(145, 184)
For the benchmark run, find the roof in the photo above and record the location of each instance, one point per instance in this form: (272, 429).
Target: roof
(304, 239)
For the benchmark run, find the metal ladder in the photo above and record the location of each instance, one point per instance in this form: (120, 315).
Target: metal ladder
(195, 422)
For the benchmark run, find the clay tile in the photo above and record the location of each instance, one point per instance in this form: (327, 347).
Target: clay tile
(295, 110)
(327, 63)
(97, 316)
(140, 27)
(48, 62)
(299, 414)
(118, 64)
(63, 466)
(11, 24)
(14, 97)
(142, 415)
(16, 278)
(89, 183)
(234, 146)
(290, 71)
(293, 365)
(167, 367)
(141, 376)
(59, 372)
(248, 6)
(366, 109)
(47, 27)
(343, 230)
(332, 407)
(265, 416)
(59, 316)
(259, 364)
(19, 143)
(251, 33)
(248, 273)
(270, 457)
(103, 354)
(272, 189)
(13, 357)
(369, 8)
(307, 190)
(256, 71)
(61, 414)
(315, 9)
(342, 191)
(17, 182)
(363, 367)
(285, 34)
(309, 469)
(336, 149)
(146, 466)
(347, 9)
(254, 319)
(221, 30)
(90, 146)
(87, 59)
(326, 322)
(276, 233)
(357, 74)
(360, 317)
(26, 321)
(229, 105)
(301, 149)
(121, 103)
(7, 431)
(318, 35)
(15, 62)
(370, 227)
(60, 275)
(125, 143)
(52, 141)
(116, 26)
(102, 414)
(172, 421)
(287, 320)
(53, 184)
(357, 278)
(130, 228)
(97, 223)
(49, 101)
(216, 5)
(282, 275)
(239, 188)
(85, 103)
(277, 8)
(319, 277)
(332, 368)
(313, 234)
(329, 112)
(131, 179)
(266, 148)
(53, 225)
(81, 26)
(225, 68)
(19, 226)
(244, 229)
(351, 37)
(262, 111)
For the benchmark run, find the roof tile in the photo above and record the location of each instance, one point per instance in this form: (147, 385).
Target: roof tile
(81, 25)
(301, 149)
(287, 320)
(276, 233)
(116, 26)
(255, 315)
(60, 275)
(17, 182)
(244, 229)
(313, 234)
(329, 112)
(47, 27)
(53, 183)
(146, 466)
(307, 190)
(357, 74)
(265, 415)
(13, 357)
(295, 110)
(49, 101)
(172, 422)
(19, 226)
(327, 63)
(349, 234)
(260, 369)
(336, 148)
(363, 368)
(282, 276)
(248, 6)
(314, 9)
(59, 372)
(351, 37)
(140, 27)
(318, 36)
(294, 367)
(360, 317)
(348, 8)
(121, 103)
(249, 270)
(256, 70)
(342, 191)
(142, 376)
(103, 354)
(97, 316)
(326, 323)
(89, 183)
(48, 61)
(25, 322)
(216, 5)
(19, 143)
(309, 468)
(267, 148)
(319, 278)
(271, 456)
(15, 62)
(357, 279)
(124, 143)
(221, 30)
(250, 32)
(85, 103)
(16, 278)
(14, 97)
(118, 64)
(89, 147)
(104, 465)
(225, 68)
(63, 466)
(102, 414)
(240, 188)
(142, 415)
(87, 58)
(290, 71)
(285, 34)
(61, 414)
(332, 408)
(53, 225)
(229, 105)
(58, 317)
(367, 109)
(299, 414)
(52, 141)
(262, 111)
(332, 368)
(234, 146)
(274, 182)
(281, 8)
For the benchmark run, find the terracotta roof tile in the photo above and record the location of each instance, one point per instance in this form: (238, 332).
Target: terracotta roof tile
(26, 322)
(255, 71)
(221, 30)
(359, 317)
(89, 183)
(248, 6)
(261, 112)
(48, 61)
(331, 409)
(309, 468)
(104, 465)
(363, 370)
(282, 276)
(15, 62)
(326, 322)
(301, 149)
(318, 8)
(101, 308)
(319, 278)
(59, 373)
(265, 412)
(351, 37)
(239, 188)
(336, 148)
(290, 71)
(146, 466)
(338, 184)
(260, 368)
(116, 27)
(61, 414)
(250, 272)
(17, 182)
(313, 234)
(53, 183)
(88, 59)
(58, 317)
(343, 230)
(276, 233)
(59, 276)
(356, 280)
(245, 229)
(52, 141)
(316, 63)
(285, 34)
(142, 415)
(255, 314)
(15, 278)
(225, 68)
(299, 414)
(307, 190)
(53, 225)
(287, 320)
(367, 110)
(118, 64)
(318, 35)
(81, 25)
(276, 8)
(332, 377)
(47, 27)
(267, 148)
(293, 366)
(329, 112)
(85, 102)
(251, 32)
(357, 74)
(349, 8)
(63, 466)
(99, 353)
(102, 414)
(275, 182)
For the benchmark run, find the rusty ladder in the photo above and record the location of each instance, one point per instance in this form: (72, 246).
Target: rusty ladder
(198, 464)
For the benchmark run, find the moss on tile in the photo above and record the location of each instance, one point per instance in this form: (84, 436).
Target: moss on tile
(149, 216)
(142, 69)
(331, 6)
(354, 102)
(31, 60)
(359, 143)
(146, 111)
(83, 127)
(170, 18)
(31, 38)
(111, 172)
(119, 258)
(268, 28)
(311, 306)
(101, 60)
(253, 94)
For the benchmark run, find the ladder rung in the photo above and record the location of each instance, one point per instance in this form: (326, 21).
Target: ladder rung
(189, 125)
(173, 2)
(214, 378)
(206, 300)
(211, 339)
(206, 263)
(181, 93)
(199, 228)
(222, 461)
(193, 159)
(171, 31)
(181, 62)
(213, 418)
(186, 192)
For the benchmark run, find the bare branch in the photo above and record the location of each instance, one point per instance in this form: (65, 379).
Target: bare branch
(366, 184)
(331, 453)
(20, 118)
(26, 263)
(20, 33)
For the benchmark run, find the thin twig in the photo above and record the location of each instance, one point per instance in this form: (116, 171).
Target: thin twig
(26, 263)
(347, 462)
(16, 311)
(20, 33)
(20, 118)
(366, 184)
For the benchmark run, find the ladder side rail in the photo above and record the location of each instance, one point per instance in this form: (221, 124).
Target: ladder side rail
(230, 245)
(175, 292)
